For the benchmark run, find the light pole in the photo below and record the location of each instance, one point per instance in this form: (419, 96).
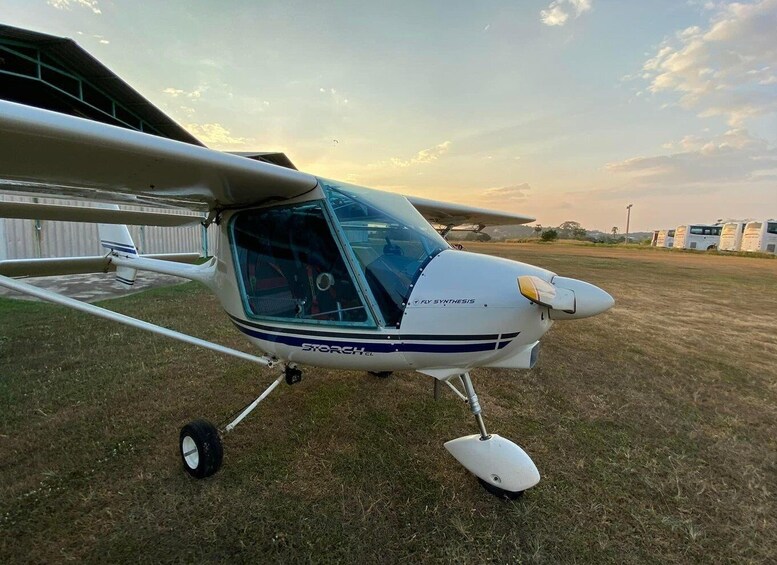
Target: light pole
(628, 217)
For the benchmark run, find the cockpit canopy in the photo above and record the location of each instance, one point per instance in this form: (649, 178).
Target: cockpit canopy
(349, 259)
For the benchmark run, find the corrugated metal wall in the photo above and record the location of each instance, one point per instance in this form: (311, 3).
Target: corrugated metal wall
(29, 239)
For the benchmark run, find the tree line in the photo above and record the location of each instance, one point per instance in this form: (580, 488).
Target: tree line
(566, 230)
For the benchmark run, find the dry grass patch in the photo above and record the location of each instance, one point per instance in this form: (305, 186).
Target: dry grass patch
(654, 428)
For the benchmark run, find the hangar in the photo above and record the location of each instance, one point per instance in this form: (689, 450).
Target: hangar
(55, 73)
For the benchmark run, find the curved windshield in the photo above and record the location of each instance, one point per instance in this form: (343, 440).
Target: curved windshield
(391, 240)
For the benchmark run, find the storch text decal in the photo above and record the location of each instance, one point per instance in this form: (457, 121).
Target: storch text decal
(340, 350)
(445, 301)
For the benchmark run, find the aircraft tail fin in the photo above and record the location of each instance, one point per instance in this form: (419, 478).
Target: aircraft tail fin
(116, 239)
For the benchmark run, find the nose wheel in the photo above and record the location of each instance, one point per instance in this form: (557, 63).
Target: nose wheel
(502, 468)
(491, 488)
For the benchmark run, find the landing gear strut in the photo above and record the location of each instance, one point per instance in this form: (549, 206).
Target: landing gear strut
(202, 452)
(502, 467)
(474, 406)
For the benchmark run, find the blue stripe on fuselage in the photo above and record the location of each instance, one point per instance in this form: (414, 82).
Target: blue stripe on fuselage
(375, 346)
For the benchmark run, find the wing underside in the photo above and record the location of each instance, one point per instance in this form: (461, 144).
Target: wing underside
(47, 153)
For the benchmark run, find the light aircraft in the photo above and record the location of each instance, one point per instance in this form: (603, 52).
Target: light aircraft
(312, 271)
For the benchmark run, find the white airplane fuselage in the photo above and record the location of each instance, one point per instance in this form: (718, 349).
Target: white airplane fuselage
(464, 310)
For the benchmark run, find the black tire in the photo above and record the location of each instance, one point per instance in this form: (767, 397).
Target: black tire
(500, 492)
(381, 374)
(201, 449)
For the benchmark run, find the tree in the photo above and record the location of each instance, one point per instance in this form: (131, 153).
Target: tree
(549, 235)
(614, 230)
(538, 229)
(569, 226)
(572, 230)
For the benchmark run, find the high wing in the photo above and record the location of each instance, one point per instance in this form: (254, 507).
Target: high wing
(447, 214)
(45, 152)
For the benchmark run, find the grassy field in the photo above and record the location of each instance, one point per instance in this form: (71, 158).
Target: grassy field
(654, 427)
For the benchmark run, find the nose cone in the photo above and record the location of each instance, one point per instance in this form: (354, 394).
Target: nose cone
(590, 300)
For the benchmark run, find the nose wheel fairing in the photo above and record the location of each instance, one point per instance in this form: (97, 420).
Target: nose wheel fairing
(496, 461)
(502, 467)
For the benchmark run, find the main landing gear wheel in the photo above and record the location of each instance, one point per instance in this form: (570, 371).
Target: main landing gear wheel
(201, 450)
(500, 492)
(381, 374)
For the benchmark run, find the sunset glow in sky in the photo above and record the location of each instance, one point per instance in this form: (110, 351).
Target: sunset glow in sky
(560, 109)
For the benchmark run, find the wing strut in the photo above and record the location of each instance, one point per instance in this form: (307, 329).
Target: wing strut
(56, 298)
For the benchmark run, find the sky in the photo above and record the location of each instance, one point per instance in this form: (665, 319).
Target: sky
(559, 109)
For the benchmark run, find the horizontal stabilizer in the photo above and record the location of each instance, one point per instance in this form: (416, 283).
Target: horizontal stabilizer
(77, 265)
(30, 211)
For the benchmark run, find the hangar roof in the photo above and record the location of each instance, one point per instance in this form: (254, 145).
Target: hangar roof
(54, 73)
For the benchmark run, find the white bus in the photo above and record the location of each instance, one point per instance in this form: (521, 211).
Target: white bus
(760, 236)
(697, 236)
(731, 236)
(665, 238)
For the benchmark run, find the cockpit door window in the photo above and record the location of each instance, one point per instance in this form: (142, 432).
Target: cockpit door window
(290, 266)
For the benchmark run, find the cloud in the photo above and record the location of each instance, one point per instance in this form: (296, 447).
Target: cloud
(557, 12)
(67, 4)
(580, 5)
(507, 194)
(195, 94)
(423, 156)
(734, 157)
(337, 97)
(217, 136)
(554, 15)
(100, 38)
(728, 68)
